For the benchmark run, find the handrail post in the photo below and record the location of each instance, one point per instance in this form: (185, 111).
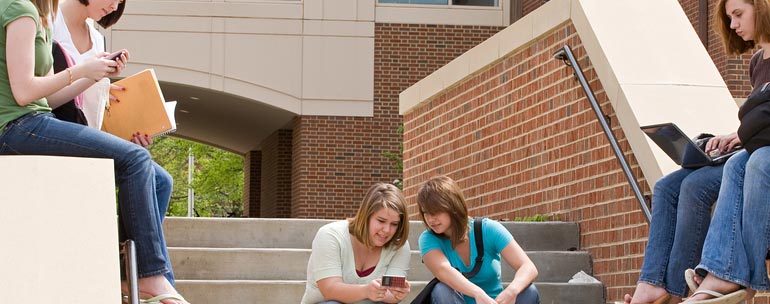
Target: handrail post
(566, 55)
(129, 254)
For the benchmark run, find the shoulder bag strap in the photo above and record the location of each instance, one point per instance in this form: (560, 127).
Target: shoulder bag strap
(479, 248)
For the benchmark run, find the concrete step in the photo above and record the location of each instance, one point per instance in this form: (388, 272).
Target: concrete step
(291, 264)
(290, 291)
(299, 233)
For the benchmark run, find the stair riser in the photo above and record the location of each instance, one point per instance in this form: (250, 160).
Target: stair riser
(291, 292)
(270, 264)
(299, 233)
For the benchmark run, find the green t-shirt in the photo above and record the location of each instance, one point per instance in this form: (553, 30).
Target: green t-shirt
(11, 10)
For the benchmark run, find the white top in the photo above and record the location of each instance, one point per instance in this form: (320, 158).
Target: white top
(96, 96)
(332, 256)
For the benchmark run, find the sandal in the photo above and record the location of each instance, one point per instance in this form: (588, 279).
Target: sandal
(159, 298)
(730, 298)
(689, 277)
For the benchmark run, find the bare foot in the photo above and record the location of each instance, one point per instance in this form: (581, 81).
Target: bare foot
(645, 293)
(155, 286)
(713, 283)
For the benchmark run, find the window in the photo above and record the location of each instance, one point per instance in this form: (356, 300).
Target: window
(445, 2)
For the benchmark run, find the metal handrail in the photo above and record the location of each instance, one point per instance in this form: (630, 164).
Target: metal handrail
(565, 54)
(129, 254)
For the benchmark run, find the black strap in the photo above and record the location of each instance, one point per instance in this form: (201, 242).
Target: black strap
(479, 248)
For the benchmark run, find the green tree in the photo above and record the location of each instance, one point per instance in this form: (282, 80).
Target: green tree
(397, 158)
(217, 177)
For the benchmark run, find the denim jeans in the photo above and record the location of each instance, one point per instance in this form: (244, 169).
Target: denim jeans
(737, 241)
(443, 294)
(681, 213)
(42, 134)
(164, 184)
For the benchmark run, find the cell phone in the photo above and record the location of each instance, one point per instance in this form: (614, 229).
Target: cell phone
(393, 281)
(116, 56)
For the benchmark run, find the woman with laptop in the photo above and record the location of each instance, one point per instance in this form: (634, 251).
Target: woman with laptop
(733, 261)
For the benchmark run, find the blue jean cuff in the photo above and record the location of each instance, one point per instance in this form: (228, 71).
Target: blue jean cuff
(153, 273)
(722, 275)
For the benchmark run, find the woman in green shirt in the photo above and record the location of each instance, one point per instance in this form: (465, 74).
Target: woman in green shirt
(28, 89)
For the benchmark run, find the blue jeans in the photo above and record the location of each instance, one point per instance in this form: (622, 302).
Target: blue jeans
(681, 213)
(443, 294)
(737, 241)
(164, 184)
(42, 134)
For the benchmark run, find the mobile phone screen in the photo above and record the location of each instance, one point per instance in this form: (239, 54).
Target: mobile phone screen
(393, 281)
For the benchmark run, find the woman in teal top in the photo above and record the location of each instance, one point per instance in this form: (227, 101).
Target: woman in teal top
(448, 249)
(28, 90)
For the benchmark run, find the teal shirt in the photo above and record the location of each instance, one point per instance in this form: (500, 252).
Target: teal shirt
(496, 237)
(11, 10)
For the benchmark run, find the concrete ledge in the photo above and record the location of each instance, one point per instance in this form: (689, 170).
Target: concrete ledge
(59, 230)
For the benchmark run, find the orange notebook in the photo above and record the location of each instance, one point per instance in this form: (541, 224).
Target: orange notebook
(141, 108)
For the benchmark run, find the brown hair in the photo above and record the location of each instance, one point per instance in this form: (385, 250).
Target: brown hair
(111, 18)
(46, 8)
(441, 194)
(380, 195)
(734, 44)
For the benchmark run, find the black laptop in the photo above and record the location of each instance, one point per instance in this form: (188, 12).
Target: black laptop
(681, 148)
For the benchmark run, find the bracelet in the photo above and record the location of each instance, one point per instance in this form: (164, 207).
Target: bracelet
(70, 74)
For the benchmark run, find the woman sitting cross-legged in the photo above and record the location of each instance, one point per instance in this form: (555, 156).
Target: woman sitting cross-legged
(448, 249)
(349, 257)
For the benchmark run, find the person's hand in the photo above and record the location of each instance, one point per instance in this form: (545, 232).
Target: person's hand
(375, 291)
(141, 139)
(94, 68)
(121, 61)
(506, 297)
(115, 88)
(723, 143)
(401, 292)
(483, 298)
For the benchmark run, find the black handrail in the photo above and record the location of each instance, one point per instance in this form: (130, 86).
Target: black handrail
(565, 54)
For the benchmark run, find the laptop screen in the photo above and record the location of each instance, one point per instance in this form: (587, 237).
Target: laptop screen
(677, 145)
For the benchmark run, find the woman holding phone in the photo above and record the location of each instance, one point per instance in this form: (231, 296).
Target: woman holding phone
(350, 257)
(28, 88)
(81, 41)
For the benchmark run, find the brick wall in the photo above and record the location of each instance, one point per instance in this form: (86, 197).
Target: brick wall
(335, 159)
(734, 69)
(252, 167)
(521, 139)
(276, 175)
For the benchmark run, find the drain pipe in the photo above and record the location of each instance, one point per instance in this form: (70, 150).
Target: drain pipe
(565, 54)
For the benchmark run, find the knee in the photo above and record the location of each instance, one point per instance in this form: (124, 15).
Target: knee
(530, 295)
(758, 165)
(442, 293)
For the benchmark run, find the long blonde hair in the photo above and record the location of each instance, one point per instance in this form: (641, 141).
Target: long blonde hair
(46, 8)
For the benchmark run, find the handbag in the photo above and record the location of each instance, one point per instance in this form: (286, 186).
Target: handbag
(424, 296)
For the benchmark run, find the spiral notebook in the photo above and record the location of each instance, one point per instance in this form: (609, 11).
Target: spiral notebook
(141, 108)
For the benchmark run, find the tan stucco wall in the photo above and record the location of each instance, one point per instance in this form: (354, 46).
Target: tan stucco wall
(311, 57)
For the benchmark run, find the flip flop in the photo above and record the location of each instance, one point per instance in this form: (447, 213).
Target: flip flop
(159, 298)
(662, 300)
(730, 298)
(689, 277)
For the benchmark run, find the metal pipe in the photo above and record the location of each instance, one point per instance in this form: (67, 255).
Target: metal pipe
(565, 54)
(129, 254)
